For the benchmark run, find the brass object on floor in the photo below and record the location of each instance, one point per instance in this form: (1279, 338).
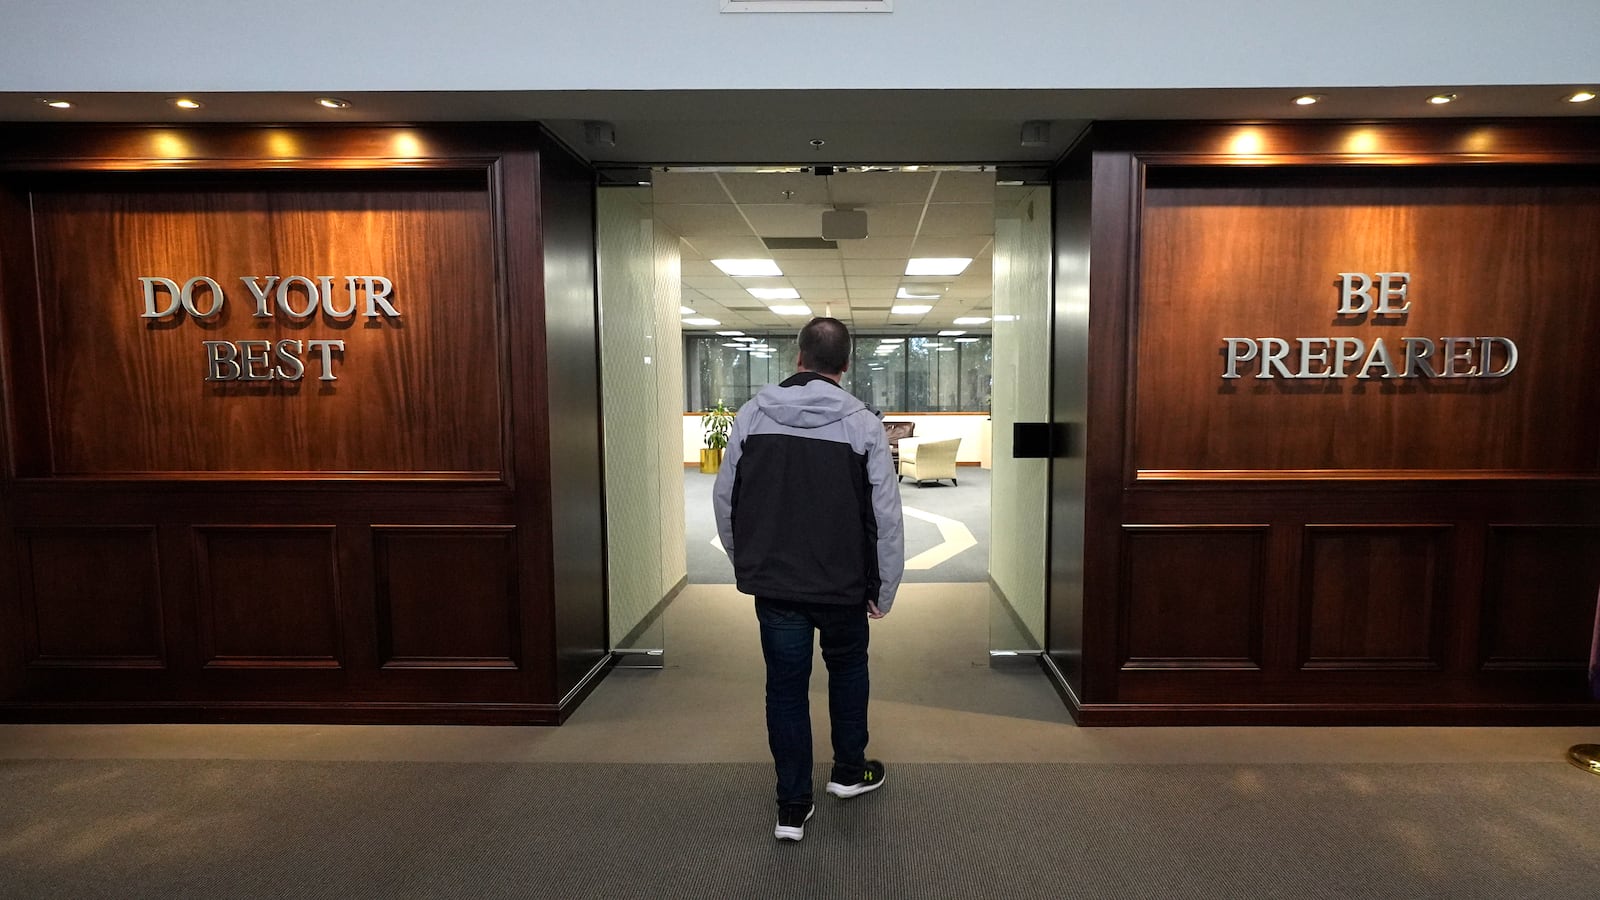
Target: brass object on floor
(1586, 757)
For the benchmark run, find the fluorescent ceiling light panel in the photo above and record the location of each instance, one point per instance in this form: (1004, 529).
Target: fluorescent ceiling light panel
(774, 293)
(905, 294)
(945, 349)
(912, 310)
(970, 320)
(734, 346)
(798, 310)
(937, 265)
(685, 311)
(965, 340)
(950, 333)
(891, 340)
(750, 339)
(702, 323)
(732, 334)
(748, 268)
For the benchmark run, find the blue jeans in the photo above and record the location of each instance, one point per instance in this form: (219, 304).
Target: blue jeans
(786, 644)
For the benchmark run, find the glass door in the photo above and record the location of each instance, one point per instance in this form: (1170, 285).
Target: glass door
(1019, 496)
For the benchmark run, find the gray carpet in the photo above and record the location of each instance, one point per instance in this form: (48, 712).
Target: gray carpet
(966, 502)
(233, 828)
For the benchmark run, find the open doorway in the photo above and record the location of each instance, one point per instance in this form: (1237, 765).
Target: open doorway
(942, 275)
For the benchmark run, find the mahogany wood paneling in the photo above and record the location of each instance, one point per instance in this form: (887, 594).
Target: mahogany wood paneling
(447, 596)
(1194, 596)
(1490, 252)
(414, 393)
(1372, 597)
(1539, 596)
(571, 362)
(1422, 550)
(269, 597)
(92, 597)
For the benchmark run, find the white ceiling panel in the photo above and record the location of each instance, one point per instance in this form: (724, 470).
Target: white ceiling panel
(785, 220)
(964, 187)
(969, 246)
(769, 187)
(892, 220)
(687, 187)
(717, 282)
(813, 265)
(729, 247)
(865, 283)
(880, 267)
(808, 284)
(880, 187)
(876, 248)
(700, 268)
(946, 219)
(692, 220)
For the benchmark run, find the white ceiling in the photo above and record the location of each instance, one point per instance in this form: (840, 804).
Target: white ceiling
(929, 212)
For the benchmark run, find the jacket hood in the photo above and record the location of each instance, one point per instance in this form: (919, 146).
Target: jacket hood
(807, 402)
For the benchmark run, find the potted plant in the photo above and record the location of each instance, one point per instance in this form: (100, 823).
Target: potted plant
(717, 422)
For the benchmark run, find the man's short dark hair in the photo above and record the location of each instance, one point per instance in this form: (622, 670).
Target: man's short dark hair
(825, 345)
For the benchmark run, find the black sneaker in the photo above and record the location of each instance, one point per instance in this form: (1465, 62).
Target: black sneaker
(792, 821)
(857, 782)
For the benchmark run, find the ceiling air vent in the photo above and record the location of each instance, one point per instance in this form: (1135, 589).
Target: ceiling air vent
(801, 243)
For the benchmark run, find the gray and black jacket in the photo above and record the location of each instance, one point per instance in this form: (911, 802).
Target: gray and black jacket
(807, 503)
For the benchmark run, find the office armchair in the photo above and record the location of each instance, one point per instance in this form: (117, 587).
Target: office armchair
(925, 460)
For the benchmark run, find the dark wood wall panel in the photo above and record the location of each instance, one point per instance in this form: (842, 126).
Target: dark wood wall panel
(1373, 596)
(1194, 596)
(1539, 596)
(269, 597)
(414, 393)
(1258, 255)
(421, 540)
(92, 598)
(447, 597)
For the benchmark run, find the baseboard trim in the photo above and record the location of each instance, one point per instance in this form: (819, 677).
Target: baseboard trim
(1096, 714)
(242, 712)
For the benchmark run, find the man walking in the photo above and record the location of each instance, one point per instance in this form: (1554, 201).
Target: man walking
(808, 508)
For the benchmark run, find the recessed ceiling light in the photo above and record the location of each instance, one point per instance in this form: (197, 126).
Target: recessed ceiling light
(685, 311)
(937, 265)
(748, 268)
(185, 103)
(798, 310)
(969, 320)
(702, 323)
(1580, 97)
(333, 103)
(905, 294)
(56, 104)
(774, 293)
(1307, 100)
(1441, 99)
(909, 310)
(729, 333)
(950, 333)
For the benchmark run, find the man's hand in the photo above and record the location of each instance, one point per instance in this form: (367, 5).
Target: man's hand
(872, 611)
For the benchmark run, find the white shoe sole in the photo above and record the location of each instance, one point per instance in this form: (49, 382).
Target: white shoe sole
(793, 832)
(853, 790)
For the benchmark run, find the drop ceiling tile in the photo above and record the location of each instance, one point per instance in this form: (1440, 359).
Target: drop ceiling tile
(730, 247)
(717, 282)
(876, 247)
(813, 265)
(686, 187)
(785, 256)
(958, 219)
(780, 220)
(752, 187)
(895, 220)
(964, 187)
(879, 267)
(969, 246)
(692, 220)
(700, 268)
(808, 285)
(879, 284)
(880, 187)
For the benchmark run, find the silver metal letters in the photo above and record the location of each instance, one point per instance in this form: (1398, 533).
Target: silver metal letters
(297, 297)
(1385, 294)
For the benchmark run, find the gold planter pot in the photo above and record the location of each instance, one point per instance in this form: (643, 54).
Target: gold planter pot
(710, 460)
